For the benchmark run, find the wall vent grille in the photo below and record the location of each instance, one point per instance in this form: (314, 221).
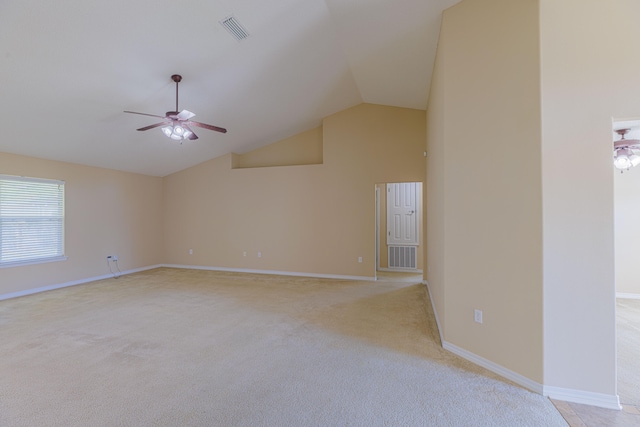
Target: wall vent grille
(235, 28)
(403, 257)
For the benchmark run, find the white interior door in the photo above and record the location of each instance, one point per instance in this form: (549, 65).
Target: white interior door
(402, 213)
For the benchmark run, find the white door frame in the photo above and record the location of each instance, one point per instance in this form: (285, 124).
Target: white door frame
(377, 229)
(420, 209)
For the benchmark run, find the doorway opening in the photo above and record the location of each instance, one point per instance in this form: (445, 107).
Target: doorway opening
(627, 282)
(399, 225)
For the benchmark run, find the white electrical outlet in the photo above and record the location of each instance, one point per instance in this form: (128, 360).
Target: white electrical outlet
(244, 253)
(190, 251)
(114, 258)
(477, 316)
(360, 259)
(259, 254)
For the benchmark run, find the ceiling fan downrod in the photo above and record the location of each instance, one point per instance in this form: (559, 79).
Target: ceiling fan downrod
(176, 78)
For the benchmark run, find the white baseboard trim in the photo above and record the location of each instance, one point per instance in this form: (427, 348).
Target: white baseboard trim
(136, 270)
(624, 295)
(481, 361)
(609, 401)
(272, 272)
(435, 312)
(72, 283)
(494, 367)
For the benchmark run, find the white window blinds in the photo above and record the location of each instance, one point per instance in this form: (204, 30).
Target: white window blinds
(31, 220)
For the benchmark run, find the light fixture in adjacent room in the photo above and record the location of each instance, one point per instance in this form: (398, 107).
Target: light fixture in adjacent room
(625, 151)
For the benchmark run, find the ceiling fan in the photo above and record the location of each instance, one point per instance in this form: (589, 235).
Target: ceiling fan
(625, 151)
(177, 125)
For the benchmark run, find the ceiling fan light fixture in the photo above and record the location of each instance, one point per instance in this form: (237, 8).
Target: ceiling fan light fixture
(624, 151)
(622, 160)
(176, 132)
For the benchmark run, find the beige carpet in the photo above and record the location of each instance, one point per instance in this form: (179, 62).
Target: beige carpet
(628, 334)
(174, 347)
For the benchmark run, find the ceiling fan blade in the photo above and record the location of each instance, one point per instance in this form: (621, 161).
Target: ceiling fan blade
(192, 136)
(145, 114)
(206, 126)
(153, 126)
(185, 115)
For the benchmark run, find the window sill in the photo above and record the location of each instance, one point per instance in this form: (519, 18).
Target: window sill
(32, 262)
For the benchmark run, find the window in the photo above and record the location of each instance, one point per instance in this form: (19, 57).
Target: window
(31, 220)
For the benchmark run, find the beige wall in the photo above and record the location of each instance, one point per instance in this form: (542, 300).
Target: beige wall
(484, 183)
(589, 77)
(520, 182)
(433, 235)
(627, 231)
(309, 219)
(302, 149)
(106, 212)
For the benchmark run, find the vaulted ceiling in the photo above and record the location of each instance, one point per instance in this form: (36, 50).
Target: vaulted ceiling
(69, 68)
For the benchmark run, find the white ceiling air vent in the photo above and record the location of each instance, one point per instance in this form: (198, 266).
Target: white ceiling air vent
(235, 28)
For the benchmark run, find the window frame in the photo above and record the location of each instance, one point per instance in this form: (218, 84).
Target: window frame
(60, 245)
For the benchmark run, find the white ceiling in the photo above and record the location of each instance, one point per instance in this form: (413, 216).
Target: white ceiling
(69, 68)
